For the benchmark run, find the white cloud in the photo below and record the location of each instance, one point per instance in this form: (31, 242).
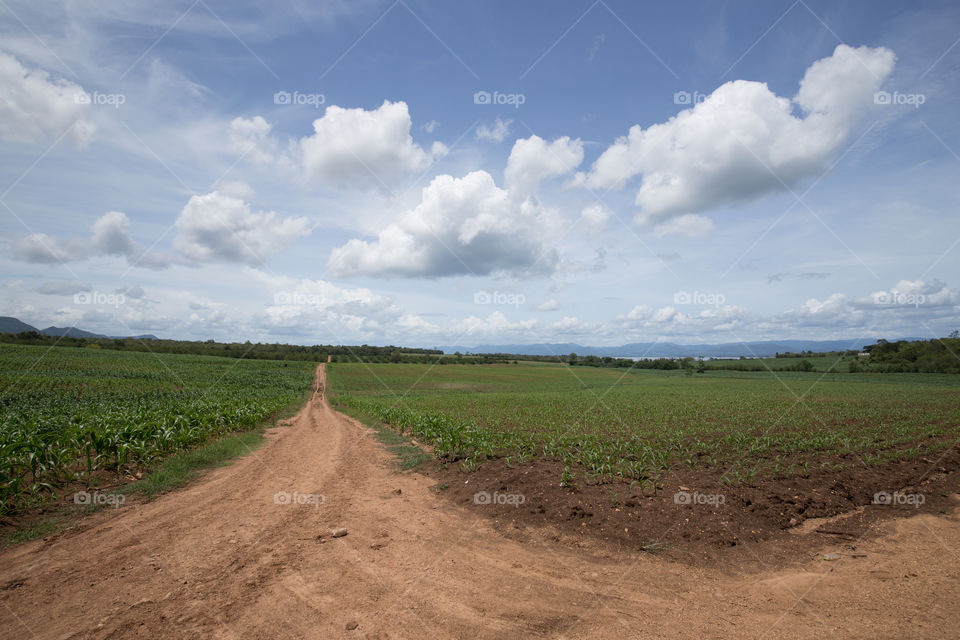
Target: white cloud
(743, 140)
(595, 217)
(497, 133)
(431, 126)
(251, 138)
(37, 108)
(549, 305)
(360, 147)
(308, 306)
(110, 237)
(690, 225)
(532, 160)
(461, 226)
(220, 228)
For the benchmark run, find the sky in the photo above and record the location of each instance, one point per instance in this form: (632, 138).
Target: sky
(431, 173)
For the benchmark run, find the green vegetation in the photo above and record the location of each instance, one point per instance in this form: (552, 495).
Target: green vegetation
(605, 424)
(409, 456)
(932, 356)
(39, 529)
(69, 416)
(182, 467)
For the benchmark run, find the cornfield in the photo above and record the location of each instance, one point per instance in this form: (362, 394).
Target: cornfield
(608, 424)
(67, 414)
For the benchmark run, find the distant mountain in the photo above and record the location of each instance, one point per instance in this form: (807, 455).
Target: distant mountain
(671, 350)
(12, 325)
(70, 332)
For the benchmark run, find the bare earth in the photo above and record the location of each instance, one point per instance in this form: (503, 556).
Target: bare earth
(221, 559)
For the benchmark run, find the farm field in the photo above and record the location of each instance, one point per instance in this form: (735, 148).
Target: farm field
(604, 435)
(639, 424)
(72, 417)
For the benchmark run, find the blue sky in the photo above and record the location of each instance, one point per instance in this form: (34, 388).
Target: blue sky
(642, 171)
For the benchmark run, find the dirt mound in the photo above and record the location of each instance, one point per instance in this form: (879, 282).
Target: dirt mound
(697, 515)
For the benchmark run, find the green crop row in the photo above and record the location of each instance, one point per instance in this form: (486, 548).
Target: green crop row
(67, 414)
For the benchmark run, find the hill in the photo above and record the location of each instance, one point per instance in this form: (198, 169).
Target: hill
(12, 325)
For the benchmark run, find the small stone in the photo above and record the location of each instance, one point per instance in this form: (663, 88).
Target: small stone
(397, 492)
(831, 556)
(352, 625)
(338, 533)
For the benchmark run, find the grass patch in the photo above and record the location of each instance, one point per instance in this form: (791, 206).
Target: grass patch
(179, 469)
(34, 530)
(409, 456)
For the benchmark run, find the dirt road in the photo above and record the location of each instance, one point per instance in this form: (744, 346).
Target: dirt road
(246, 552)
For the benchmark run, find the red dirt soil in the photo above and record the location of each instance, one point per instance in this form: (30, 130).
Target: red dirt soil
(222, 559)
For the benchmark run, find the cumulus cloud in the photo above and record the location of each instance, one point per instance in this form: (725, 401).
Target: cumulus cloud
(462, 226)
(498, 132)
(743, 140)
(348, 148)
(363, 147)
(110, 237)
(307, 306)
(690, 225)
(38, 108)
(533, 160)
(217, 227)
(644, 319)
